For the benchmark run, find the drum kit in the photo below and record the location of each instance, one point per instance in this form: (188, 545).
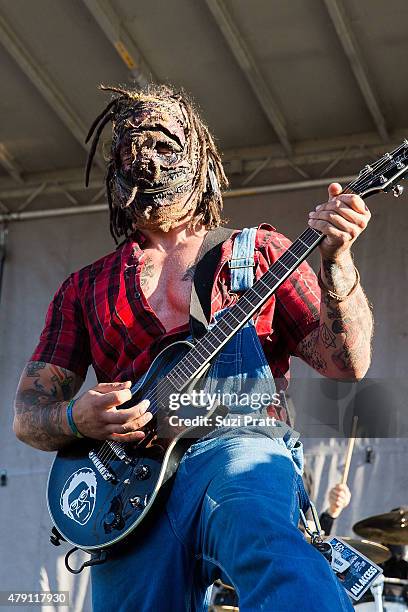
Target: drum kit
(388, 594)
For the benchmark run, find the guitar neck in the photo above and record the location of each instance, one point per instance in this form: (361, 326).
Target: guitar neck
(381, 176)
(236, 316)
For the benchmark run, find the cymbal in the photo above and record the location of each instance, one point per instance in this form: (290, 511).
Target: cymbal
(375, 552)
(388, 528)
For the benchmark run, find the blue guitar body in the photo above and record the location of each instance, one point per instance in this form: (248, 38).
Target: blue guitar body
(99, 492)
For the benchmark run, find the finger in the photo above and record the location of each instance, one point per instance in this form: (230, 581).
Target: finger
(342, 487)
(360, 219)
(333, 234)
(354, 201)
(130, 427)
(112, 386)
(338, 221)
(119, 416)
(334, 189)
(134, 436)
(113, 398)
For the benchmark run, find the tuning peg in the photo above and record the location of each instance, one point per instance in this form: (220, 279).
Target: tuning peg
(397, 190)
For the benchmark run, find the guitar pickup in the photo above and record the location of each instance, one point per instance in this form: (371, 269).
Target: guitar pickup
(106, 474)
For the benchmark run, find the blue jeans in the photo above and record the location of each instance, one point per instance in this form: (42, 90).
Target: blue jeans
(232, 514)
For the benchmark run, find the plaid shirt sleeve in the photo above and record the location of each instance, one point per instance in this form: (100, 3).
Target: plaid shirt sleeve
(64, 340)
(297, 309)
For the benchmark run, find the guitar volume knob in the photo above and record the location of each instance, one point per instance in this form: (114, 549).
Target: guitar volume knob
(138, 502)
(143, 472)
(397, 190)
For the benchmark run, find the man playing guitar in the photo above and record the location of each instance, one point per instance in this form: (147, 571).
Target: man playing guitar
(233, 510)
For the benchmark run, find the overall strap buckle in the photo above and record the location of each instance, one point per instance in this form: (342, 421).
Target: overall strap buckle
(242, 262)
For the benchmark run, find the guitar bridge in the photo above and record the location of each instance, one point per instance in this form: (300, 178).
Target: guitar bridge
(119, 452)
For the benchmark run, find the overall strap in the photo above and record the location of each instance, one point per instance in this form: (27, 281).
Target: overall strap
(201, 289)
(242, 262)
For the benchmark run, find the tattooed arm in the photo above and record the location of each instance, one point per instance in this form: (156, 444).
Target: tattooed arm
(42, 396)
(41, 403)
(341, 346)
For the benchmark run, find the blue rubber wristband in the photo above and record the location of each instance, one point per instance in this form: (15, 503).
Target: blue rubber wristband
(70, 419)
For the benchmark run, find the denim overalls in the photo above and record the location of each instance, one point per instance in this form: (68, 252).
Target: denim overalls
(233, 509)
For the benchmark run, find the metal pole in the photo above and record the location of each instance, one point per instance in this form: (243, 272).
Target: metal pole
(3, 239)
(233, 193)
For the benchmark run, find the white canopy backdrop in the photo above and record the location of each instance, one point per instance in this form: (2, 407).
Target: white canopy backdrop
(40, 254)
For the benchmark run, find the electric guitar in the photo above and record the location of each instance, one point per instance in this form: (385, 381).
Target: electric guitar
(100, 492)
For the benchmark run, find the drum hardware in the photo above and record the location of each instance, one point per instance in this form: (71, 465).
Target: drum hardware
(377, 589)
(390, 595)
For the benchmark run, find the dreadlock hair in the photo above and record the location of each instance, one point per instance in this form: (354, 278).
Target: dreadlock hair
(209, 178)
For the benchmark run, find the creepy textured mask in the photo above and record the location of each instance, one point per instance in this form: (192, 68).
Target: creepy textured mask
(155, 154)
(163, 165)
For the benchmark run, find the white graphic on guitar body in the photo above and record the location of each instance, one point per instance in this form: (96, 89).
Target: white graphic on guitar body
(79, 495)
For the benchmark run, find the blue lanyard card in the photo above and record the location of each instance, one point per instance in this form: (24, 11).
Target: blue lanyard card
(355, 571)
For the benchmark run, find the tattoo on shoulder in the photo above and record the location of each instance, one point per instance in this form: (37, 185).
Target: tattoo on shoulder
(147, 271)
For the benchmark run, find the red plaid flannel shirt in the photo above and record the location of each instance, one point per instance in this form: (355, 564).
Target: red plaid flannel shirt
(100, 317)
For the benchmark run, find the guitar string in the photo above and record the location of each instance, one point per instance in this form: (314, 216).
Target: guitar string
(283, 259)
(365, 182)
(293, 251)
(290, 252)
(108, 452)
(296, 249)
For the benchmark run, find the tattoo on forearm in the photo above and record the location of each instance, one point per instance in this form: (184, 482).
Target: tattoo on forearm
(39, 402)
(327, 337)
(352, 324)
(64, 380)
(310, 353)
(343, 339)
(339, 279)
(33, 367)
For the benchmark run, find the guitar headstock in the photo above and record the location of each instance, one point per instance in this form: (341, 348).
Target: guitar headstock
(383, 175)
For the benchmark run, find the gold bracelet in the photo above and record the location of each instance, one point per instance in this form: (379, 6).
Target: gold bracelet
(335, 296)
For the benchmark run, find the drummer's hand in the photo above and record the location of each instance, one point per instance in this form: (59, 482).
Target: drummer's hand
(339, 498)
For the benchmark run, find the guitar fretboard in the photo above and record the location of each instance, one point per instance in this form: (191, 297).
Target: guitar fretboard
(372, 179)
(236, 316)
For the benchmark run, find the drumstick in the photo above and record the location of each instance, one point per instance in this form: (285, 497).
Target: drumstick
(349, 453)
